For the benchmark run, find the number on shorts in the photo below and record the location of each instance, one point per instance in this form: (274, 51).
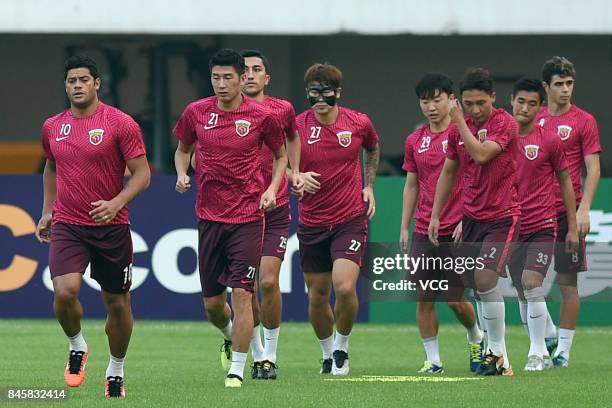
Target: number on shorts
(283, 243)
(251, 273)
(575, 257)
(542, 258)
(127, 274)
(492, 254)
(355, 245)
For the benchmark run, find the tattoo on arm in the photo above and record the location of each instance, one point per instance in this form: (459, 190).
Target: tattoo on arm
(372, 158)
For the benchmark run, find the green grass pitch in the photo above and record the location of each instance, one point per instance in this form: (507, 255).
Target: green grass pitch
(176, 364)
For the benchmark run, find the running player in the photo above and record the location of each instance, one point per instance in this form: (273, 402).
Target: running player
(578, 131)
(228, 131)
(335, 209)
(85, 215)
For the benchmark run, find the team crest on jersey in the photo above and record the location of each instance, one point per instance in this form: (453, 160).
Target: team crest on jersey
(444, 145)
(243, 127)
(564, 131)
(95, 136)
(482, 135)
(344, 138)
(531, 151)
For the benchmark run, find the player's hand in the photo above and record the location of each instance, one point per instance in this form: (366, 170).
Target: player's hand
(104, 211)
(43, 229)
(368, 197)
(432, 231)
(583, 222)
(571, 242)
(183, 183)
(404, 238)
(456, 111)
(297, 185)
(311, 185)
(458, 233)
(268, 200)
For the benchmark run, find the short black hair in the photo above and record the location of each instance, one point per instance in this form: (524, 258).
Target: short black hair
(557, 66)
(431, 83)
(258, 54)
(478, 79)
(227, 57)
(529, 85)
(81, 61)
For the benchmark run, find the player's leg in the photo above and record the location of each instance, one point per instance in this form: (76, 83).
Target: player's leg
(321, 315)
(271, 306)
(536, 319)
(119, 324)
(570, 309)
(68, 258)
(344, 277)
(257, 349)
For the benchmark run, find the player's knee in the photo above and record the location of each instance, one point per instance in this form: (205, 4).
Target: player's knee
(268, 284)
(318, 296)
(65, 294)
(457, 307)
(214, 305)
(344, 290)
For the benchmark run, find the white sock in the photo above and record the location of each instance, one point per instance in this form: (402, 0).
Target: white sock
(432, 350)
(271, 342)
(536, 320)
(494, 313)
(474, 334)
(523, 312)
(551, 329)
(227, 331)
(77, 342)
(327, 347)
(115, 367)
(341, 342)
(566, 336)
(257, 350)
(238, 362)
(481, 321)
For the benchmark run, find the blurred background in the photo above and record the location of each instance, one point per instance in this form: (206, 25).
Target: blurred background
(153, 59)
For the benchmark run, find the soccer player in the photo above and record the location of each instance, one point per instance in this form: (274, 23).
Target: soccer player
(484, 147)
(85, 216)
(228, 131)
(423, 160)
(539, 158)
(335, 209)
(578, 131)
(277, 221)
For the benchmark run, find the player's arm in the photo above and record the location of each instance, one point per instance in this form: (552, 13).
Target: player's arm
(182, 157)
(279, 167)
(105, 211)
(591, 182)
(410, 196)
(481, 153)
(371, 160)
(50, 192)
(569, 199)
(443, 190)
(294, 150)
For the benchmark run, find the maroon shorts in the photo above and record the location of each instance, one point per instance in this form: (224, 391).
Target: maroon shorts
(434, 259)
(108, 248)
(229, 255)
(491, 241)
(276, 232)
(321, 246)
(564, 262)
(533, 252)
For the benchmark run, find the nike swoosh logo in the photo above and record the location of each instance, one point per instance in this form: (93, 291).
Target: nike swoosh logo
(206, 127)
(423, 150)
(59, 139)
(535, 317)
(489, 318)
(313, 141)
(460, 142)
(245, 281)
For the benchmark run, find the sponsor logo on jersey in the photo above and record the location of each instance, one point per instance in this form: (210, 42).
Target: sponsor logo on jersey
(531, 151)
(482, 135)
(344, 138)
(564, 131)
(95, 136)
(243, 127)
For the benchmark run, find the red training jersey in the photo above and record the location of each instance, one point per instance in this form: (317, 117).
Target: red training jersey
(578, 131)
(228, 173)
(425, 153)
(90, 155)
(489, 191)
(334, 152)
(539, 156)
